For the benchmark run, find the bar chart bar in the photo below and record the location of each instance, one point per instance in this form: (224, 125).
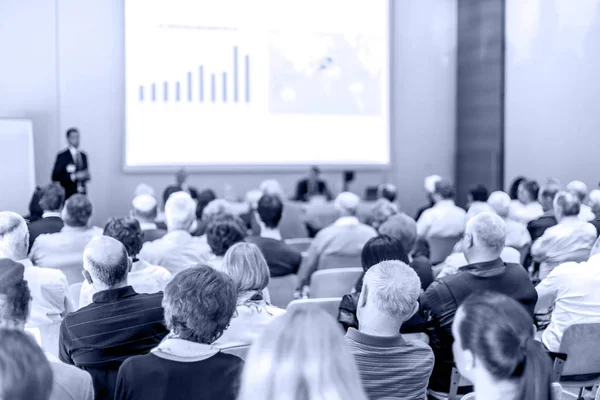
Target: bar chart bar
(166, 91)
(213, 87)
(154, 92)
(224, 87)
(235, 74)
(247, 71)
(141, 93)
(177, 91)
(189, 85)
(201, 83)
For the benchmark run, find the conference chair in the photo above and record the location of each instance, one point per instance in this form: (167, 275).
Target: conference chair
(340, 260)
(577, 363)
(282, 290)
(457, 381)
(239, 351)
(334, 282)
(329, 305)
(441, 247)
(75, 293)
(299, 244)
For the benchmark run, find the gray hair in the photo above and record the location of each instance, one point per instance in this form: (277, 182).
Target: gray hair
(579, 188)
(595, 201)
(567, 204)
(246, 265)
(394, 287)
(180, 211)
(500, 202)
(106, 260)
(13, 235)
(347, 202)
(489, 230)
(401, 227)
(216, 208)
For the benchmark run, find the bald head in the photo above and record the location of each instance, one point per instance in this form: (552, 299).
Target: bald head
(485, 236)
(106, 260)
(180, 211)
(347, 203)
(500, 202)
(579, 188)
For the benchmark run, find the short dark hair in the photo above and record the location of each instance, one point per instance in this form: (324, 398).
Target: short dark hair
(53, 197)
(514, 187)
(444, 189)
(71, 130)
(223, 232)
(79, 210)
(382, 248)
(479, 193)
(532, 187)
(269, 210)
(204, 197)
(15, 304)
(199, 303)
(126, 230)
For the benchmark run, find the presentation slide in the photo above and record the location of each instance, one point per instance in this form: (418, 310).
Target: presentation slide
(256, 83)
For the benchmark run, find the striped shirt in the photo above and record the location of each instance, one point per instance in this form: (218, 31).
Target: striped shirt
(391, 367)
(120, 323)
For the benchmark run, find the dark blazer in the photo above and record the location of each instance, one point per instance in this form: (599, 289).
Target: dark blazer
(302, 190)
(42, 226)
(60, 174)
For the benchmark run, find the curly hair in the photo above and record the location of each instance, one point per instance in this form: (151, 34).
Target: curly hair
(53, 197)
(78, 210)
(14, 303)
(223, 232)
(199, 303)
(127, 231)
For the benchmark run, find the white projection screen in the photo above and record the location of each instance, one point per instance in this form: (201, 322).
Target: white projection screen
(235, 84)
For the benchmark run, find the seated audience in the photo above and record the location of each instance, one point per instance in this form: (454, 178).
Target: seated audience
(178, 249)
(477, 201)
(444, 219)
(430, 182)
(35, 211)
(145, 210)
(381, 211)
(205, 197)
(64, 250)
(281, 258)
(389, 365)
(513, 191)
(572, 290)
(312, 186)
(246, 266)
(340, 244)
(293, 219)
(15, 308)
(251, 201)
(482, 245)
(301, 355)
(198, 304)
(119, 323)
(223, 232)
(143, 277)
(581, 190)
(387, 191)
(517, 235)
(494, 348)
(570, 240)
(181, 177)
(51, 202)
(595, 206)
(526, 208)
(538, 226)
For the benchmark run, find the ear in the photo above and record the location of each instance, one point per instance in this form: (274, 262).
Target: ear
(469, 358)
(26, 244)
(364, 293)
(130, 264)
(87, 276)
(468, 241)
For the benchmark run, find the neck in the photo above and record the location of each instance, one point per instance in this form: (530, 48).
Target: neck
(489, 388)
(12, 324)
(100, 287)
(377, 324)
(480, 257)
(177, 229)
(270, 233)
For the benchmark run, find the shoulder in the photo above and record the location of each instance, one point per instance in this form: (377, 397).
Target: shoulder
(49, 275)
(62, 153)
(420, 346)
(275, 311)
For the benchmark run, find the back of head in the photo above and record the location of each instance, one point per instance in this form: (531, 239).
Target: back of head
(401, 227)
(246, 265)
(144, 188)
(387, 191)
(547, 194)
(444, 190)
(223, 232)
(204, 198)
(382, 211)
(127, 231)
(53, 197)
(579, 188)
(272, 187)
(528, 191)
(77, 211)
(347, 203)
(106, 260)
(382, 248)
(145, 207)
(566, 204)
(485, 236)
(199, 303)
(479, 193)
(301, 355)
(430, 183)
(215, 209)
(180, 211)
(595, 201)
(500, 202)
(270, 209)
(14, 236)
(14, 294)
(495, 330)
(25, 372)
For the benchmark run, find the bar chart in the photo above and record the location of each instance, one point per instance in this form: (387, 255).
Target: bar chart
(202, 85)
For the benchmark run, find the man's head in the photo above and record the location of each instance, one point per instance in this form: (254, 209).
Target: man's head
(443, 191)
(387, 191)
(269, 210)
(484, 238)
(389, 295)
(528, 191)
(145, 208)
(500, 202)
(272, 187)
(347, 204)
(223, 232)
(579, 188)
(477, 193)
(106, 263)
(401, 227)
(595, 202)
(14, 295)
(315, 173)
(566, 204)
(547, 194)
(53, 197)
(73, 137)
(127, 231)
(14, 236)
(180, 211)
(77, 211)
(205, 197)
(181, 177)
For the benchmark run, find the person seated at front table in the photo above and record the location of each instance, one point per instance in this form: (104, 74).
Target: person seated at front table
(312, 186)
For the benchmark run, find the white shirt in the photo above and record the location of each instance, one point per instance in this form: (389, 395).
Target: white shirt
(176, 251)
(478, 207)
(444, 219)
(517, 235)
(74, 153)
(525, 213)
(573, 288)
(586, 214)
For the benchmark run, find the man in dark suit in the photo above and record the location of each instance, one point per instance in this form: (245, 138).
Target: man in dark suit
(51, 202)
(312, 186)
(71, 166)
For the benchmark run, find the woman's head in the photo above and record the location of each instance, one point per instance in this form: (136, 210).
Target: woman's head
(301, 355)
(493, 335)
(127, 231)
(246, 265)
(199, 303)
(528, 191)
(382, 248)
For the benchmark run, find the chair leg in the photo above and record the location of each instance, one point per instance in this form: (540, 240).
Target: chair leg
(580, 396)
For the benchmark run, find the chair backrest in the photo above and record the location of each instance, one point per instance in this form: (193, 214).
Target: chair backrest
(580, 344)
(240, 351)
(557, 390)
(468, 396)
(281, 290)
(329, 305)
(333, 261)
(333, 282)
(75, 292)
(457, 381)
(441, 247)
(299, 244)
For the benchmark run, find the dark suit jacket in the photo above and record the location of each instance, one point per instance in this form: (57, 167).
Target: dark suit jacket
(60, 174)
(42, 226)
(302, 190)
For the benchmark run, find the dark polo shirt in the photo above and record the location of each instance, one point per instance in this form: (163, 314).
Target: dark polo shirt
(120, 323)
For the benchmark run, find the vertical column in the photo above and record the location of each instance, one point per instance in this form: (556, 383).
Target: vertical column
(213, 88)
(166, 91)
(189, 85)
(154, 92)
(235, 74)
(247, 71)
(201, 83)
(141, 93)
(224, 87)
(177, 91)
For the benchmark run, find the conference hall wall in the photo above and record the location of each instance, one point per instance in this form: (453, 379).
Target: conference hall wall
(64, 66)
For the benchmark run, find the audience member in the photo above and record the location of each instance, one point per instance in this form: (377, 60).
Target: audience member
(293, 219)
(494, 348)
(340, 244)
(595, 207)
(205, 197)
(312, 186)
(387, 191)
(444, 219)
(145, 210)
(301, 355)
(178, 249)
(51, 202)
(538, 226)
(570, 240)
(222, 233)
(281, 258)
(581, 190)
(517, 235)
(571, 289)
(513, 191)
(249, 218)
(216, 209)
(245, 264)
(35, 211)
(477, 201)
(120, 323)
(143, 277)
(381, 211)
(430, 183)
(389, 365)
(63, 250)
(526, 208)
(144, 188)
(198, 304)
(482, 245)
(15, 306)
(181, 177)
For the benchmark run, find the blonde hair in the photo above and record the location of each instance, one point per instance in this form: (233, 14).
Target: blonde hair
(301, 356)
(246, 265)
